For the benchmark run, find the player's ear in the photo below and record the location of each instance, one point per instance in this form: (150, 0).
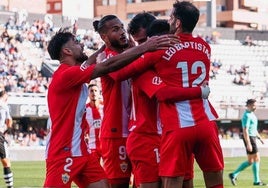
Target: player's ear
(178, 23)
(104, 37)
(67, 51)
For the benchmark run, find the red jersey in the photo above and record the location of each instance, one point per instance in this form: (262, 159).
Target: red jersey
(177, 67)
(67, 95)
(144, 116)
(94, 117)
(116, 100)
(144, 107)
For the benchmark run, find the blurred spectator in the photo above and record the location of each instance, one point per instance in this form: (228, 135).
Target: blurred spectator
(5, 34)
(241, 76)
(21, 141)
(10, 24)
(248, 41)
(32, 140)
(20, 69)
(215, 66)
(215, 37)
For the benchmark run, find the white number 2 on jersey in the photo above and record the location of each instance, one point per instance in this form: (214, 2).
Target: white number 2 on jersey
(69, 162)
(185, 74)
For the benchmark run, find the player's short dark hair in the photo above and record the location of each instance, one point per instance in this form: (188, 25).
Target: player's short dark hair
(57, 41)
(187, 13)
(250, 101)
(158, 27)
(91, 85)
(141, 20)
(99, 25)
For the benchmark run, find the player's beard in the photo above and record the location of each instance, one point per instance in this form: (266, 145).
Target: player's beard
(83, 57)
(116, 44)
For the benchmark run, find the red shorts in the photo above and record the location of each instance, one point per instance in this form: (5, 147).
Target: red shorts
(189, 173)
(96, 152)
(80, 170)
(178, 146)
(115, 160)
(143, 152)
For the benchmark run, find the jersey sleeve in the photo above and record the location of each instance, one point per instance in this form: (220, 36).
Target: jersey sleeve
(140, 65)
(175, 94)
(245, 120)
(135, 68)
(75, 75)
(152, 85)
(149, 82)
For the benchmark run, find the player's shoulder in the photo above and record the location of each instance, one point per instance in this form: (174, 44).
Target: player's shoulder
(199, 39)
(246, 114)
(154, 55)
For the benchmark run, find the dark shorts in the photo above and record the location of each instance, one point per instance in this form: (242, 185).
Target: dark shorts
(254, 145)
(3, 146)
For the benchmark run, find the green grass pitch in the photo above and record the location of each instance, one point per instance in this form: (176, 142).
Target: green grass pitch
(31, 174)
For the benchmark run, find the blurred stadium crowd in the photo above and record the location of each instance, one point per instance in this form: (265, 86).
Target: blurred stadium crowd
(22, 51)
(240, 66)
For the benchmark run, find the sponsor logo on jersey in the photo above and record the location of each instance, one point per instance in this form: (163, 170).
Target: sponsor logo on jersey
(156, 80)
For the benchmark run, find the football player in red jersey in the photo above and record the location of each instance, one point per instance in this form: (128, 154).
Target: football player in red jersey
(67, 156)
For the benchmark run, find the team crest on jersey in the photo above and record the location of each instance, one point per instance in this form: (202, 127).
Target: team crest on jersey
(156, 80)
(65, 178)
(124, 166)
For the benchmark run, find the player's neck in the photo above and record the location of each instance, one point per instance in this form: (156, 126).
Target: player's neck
(95, 103)
(118, 50)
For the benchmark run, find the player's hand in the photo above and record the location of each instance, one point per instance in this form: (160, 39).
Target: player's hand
(205, 90)
(249, 147)
(92, 59)
(161, 42)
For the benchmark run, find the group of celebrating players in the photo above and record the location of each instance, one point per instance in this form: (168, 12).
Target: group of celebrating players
(156, 115)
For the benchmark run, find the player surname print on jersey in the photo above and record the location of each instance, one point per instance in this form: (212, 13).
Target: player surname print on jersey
(180, 46)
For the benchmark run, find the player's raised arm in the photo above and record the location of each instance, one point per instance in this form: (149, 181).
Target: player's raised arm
(116, 62)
